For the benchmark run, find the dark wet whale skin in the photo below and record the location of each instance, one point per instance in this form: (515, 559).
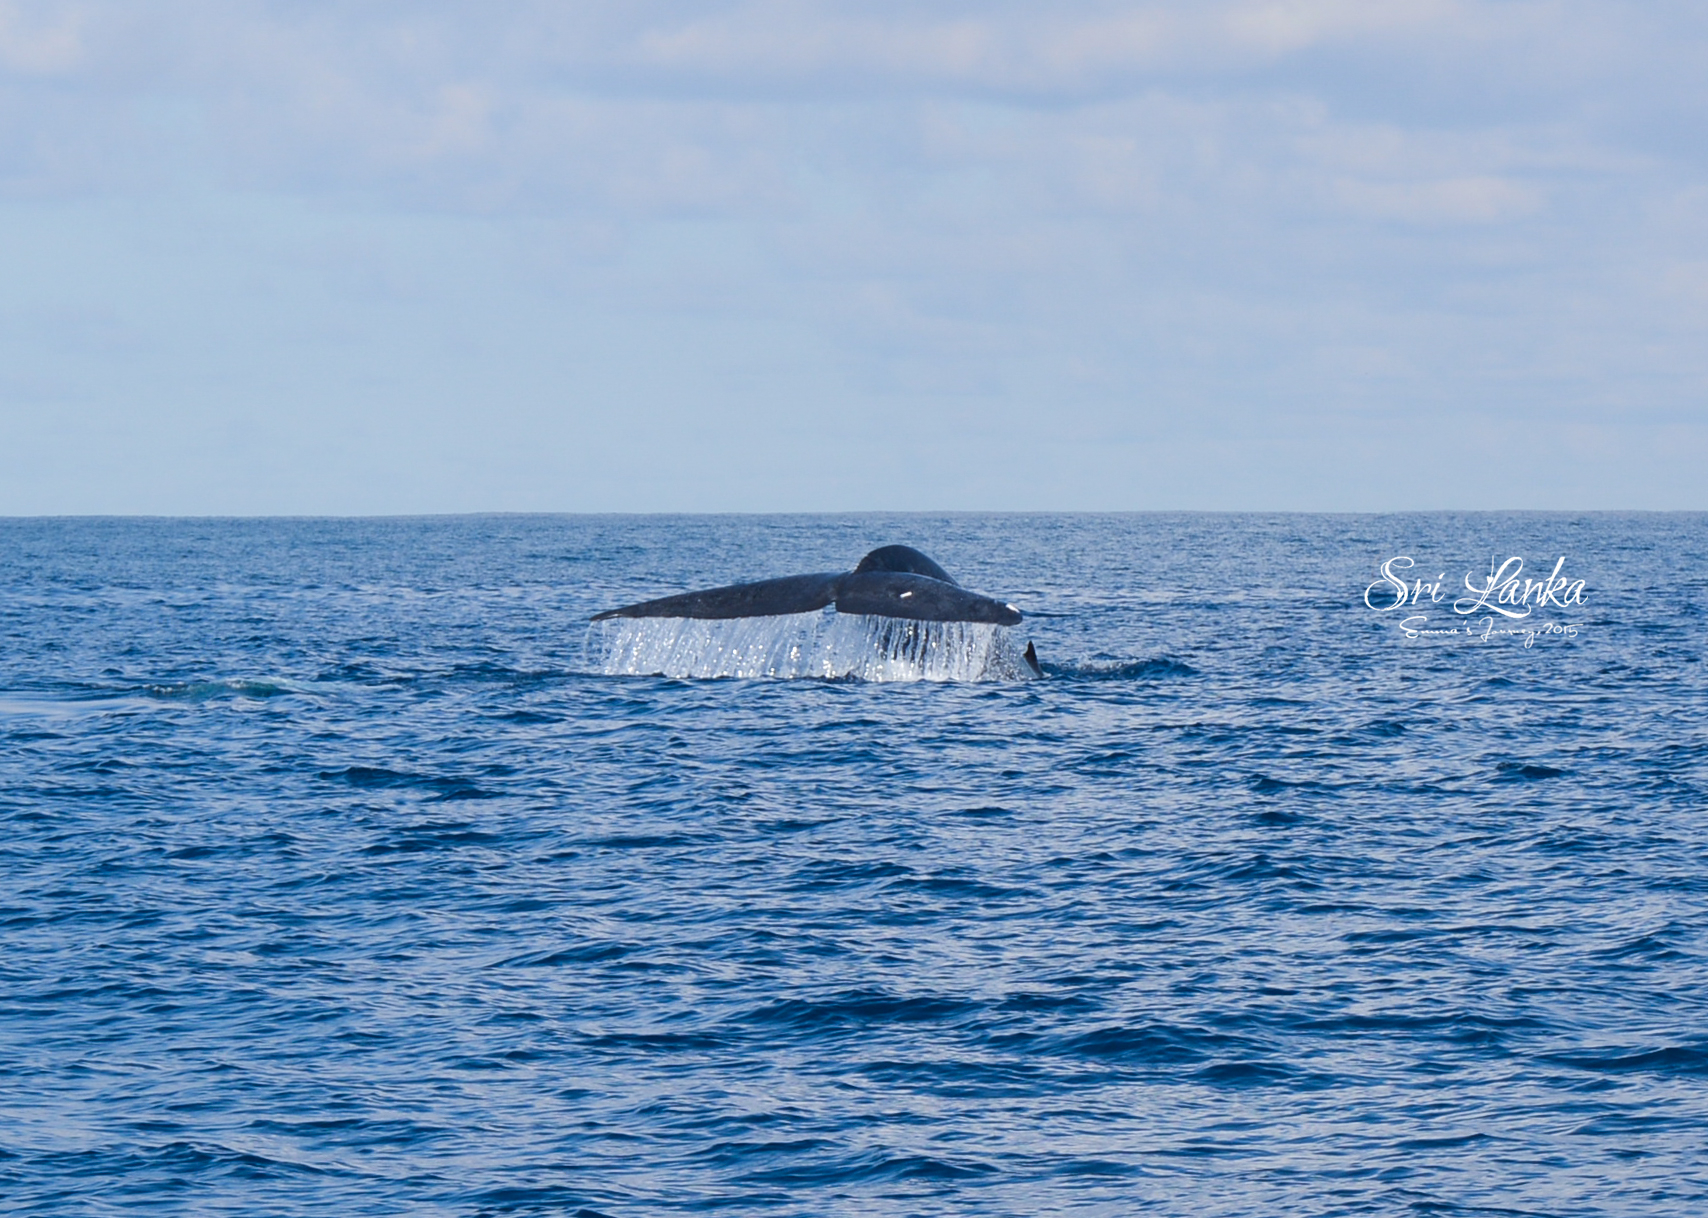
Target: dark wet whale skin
(903, 559)
(892, 581)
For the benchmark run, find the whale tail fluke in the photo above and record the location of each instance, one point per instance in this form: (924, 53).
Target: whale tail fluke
(891, 581)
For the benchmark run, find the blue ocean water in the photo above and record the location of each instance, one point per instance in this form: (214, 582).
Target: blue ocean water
(338, 877)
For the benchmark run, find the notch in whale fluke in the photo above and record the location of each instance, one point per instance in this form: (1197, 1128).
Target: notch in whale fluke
(892, 581)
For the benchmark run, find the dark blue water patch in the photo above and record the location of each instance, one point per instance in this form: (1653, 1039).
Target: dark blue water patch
(961, 887)
(1689, 1059)
(1048, 1002)
(587, 953)
(378, 778)
(334, 883)
(1449, 1142)
(1263, 784)
(869, 1167)
(453, 835)
(856, 1010)
(1150, 1044)
(1384, 728)
(814, 874)
(531, 1199)
(625, 1044)
(530, 718)
(644, 841)
(971, 1079)
(1158, 669)
(746, 1152)
(1659, 947)
(1517, 771)
(1254, 1073)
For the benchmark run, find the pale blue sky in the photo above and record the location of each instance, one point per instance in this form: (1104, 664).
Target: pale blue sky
(423, 257)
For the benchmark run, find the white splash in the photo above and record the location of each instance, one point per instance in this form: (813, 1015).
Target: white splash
(826, 645)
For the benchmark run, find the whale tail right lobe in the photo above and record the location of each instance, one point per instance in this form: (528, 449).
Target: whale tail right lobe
(919, 597)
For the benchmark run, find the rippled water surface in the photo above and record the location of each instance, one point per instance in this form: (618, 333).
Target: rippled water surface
(334, 879)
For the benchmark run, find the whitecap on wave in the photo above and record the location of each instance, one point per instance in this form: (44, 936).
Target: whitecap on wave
(825, 645)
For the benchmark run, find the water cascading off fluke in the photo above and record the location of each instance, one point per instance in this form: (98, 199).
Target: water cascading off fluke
(826, 645)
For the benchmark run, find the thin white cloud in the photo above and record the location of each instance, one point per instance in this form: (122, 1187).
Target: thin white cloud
(1280, 27)
(1063, 48)
(40, 39)
(536, 102)
(1471, 200)
(1151, 215)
